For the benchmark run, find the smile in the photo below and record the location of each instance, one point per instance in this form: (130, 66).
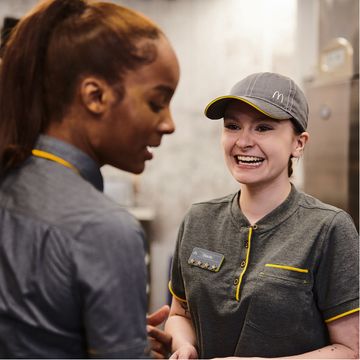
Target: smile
(249, 160)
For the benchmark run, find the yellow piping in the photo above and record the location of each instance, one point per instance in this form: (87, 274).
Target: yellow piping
(342, 315)
(246, 264)
(174, 295)
(287, 268)
(52, 157)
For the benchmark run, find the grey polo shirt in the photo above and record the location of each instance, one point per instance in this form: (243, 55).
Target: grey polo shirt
(280, 281)
(72, 271)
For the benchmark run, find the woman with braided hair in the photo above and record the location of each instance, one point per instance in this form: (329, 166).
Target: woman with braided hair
(82, 84)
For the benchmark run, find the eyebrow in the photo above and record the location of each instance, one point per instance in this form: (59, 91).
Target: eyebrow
(166, 89)
(260, 118)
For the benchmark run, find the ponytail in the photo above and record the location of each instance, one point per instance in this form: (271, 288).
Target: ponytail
(22, 115)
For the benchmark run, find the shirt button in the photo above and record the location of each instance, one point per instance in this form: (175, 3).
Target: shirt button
(246, 244)
(243, 263)
(236, 281)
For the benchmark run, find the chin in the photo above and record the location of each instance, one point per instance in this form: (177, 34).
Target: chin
(138, 171)
(132, 168)
(137, 168)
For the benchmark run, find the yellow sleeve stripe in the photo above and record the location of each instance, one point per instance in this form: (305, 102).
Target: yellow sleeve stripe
(342, 315)
(287, 268)
(174, 295)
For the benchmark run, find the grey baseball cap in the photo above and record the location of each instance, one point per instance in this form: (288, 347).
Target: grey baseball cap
(274, 95)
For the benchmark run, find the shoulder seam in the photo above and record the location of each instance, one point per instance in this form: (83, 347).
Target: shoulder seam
(222, 200)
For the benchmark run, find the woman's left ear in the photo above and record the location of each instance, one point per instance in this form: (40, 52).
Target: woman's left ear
(96, 95)
(301, 140)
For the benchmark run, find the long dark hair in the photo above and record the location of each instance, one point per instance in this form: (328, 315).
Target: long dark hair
(47, 53)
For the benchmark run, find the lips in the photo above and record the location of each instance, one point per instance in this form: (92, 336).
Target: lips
(149, 150)
(249, 160)
(148, 153)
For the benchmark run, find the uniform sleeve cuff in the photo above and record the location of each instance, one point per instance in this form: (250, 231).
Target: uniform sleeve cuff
(174, 295)
(342, 310)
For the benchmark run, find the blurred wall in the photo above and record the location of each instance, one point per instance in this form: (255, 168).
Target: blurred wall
(218, 42)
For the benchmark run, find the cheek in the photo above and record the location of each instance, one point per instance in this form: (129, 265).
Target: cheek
(226, 143)
(288, 145)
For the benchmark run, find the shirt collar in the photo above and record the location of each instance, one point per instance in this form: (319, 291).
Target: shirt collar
(87, 167)
(272, 219)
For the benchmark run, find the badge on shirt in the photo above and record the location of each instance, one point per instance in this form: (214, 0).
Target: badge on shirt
(206, 259)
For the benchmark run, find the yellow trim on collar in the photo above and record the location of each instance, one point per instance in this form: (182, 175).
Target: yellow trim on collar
(48, 156)
(285, 267)
(342, 315)
(174, 295)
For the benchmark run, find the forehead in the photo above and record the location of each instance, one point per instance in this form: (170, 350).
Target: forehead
(162, 74)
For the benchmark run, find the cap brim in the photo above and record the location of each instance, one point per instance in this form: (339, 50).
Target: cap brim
(216, 109)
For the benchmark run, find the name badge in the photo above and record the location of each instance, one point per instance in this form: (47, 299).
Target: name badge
(206, 259)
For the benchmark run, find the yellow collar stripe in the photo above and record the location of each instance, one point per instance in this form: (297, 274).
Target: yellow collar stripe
(52, 157)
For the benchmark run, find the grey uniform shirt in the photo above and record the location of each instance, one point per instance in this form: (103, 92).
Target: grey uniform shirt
(279, 283)
(72, 271)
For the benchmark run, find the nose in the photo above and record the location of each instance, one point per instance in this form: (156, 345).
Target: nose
(245, 139)
(167, 125)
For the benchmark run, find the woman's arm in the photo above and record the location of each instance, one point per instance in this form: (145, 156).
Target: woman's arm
(179, 325)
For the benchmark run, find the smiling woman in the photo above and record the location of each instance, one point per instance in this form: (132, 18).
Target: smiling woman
(288, 282)
(82, 84)
(277, 143)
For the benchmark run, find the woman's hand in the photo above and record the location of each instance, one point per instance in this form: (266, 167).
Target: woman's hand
(159, 340)
(185, 352)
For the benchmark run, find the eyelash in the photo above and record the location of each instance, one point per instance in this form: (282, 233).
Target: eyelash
(263, 128)
(231, 126)
(259, 128)
(155, 107)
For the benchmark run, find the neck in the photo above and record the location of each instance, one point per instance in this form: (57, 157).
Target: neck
(70, 130)
(257, 201)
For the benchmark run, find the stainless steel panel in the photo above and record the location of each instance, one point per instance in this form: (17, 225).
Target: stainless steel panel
(338, 18)
(331, 156)
(353, 202)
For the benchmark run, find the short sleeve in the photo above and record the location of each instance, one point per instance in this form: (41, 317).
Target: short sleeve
(176, 285)
(337, 278)
(109, 259)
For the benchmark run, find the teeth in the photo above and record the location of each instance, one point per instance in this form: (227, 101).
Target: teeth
(149, 149)
(249, 159)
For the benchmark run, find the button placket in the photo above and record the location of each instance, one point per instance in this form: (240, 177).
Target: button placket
(244, 262)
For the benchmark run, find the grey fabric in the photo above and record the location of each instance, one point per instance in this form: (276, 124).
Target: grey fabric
(72, 271)
(273, 94)
(280, 312)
